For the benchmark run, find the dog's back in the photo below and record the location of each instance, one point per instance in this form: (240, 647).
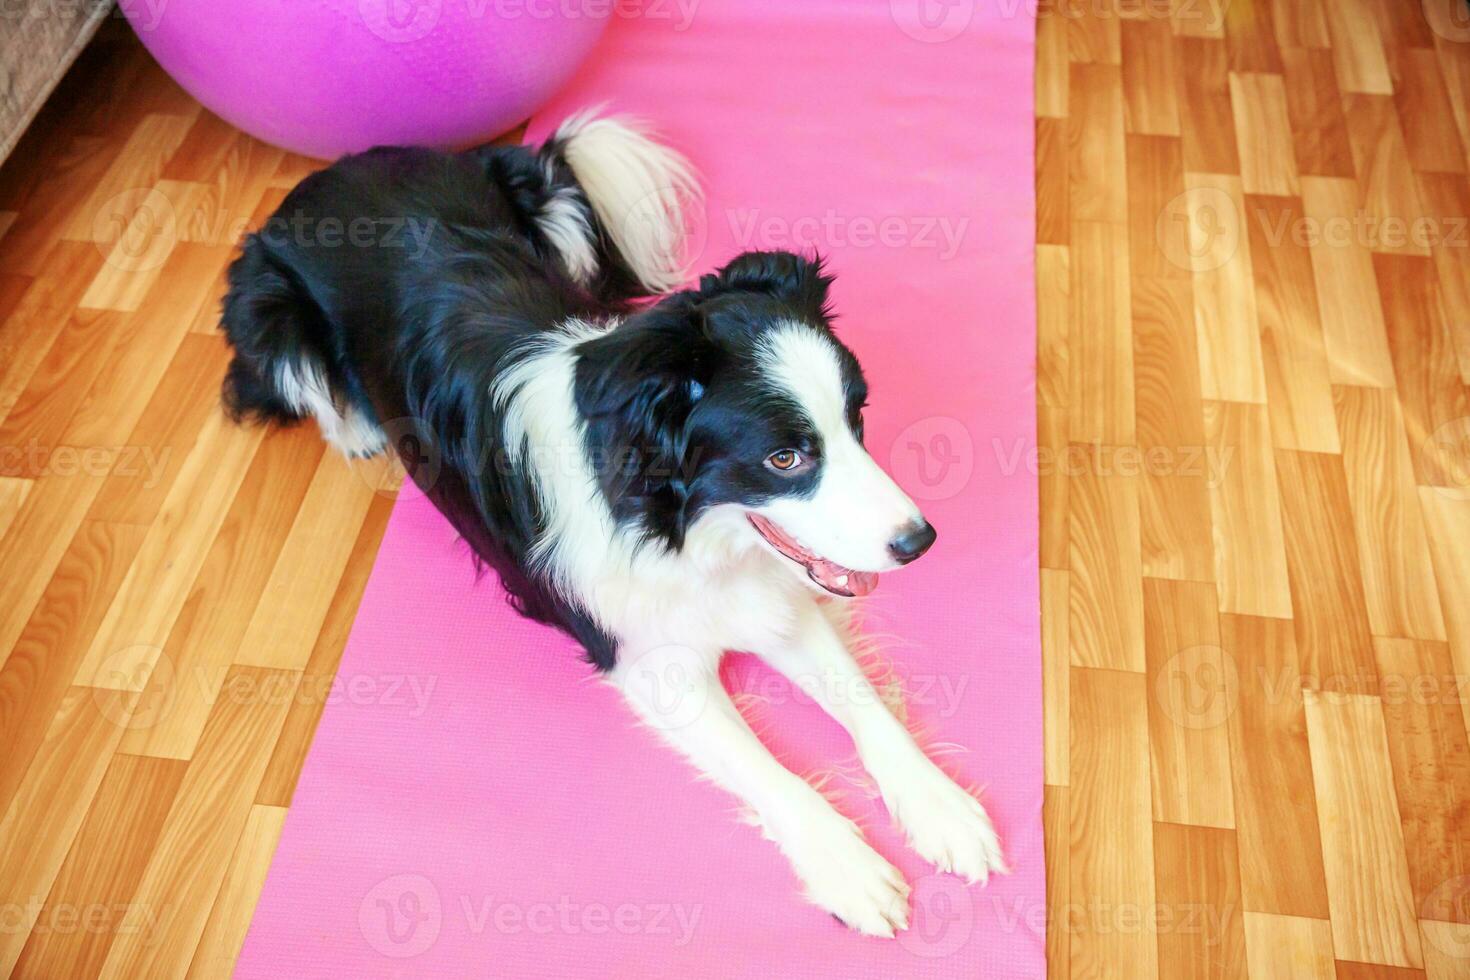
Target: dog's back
(389, 293)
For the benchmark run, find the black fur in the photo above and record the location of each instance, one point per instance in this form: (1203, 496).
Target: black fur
(412, 331)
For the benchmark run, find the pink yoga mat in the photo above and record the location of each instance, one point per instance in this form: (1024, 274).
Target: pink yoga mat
(500, 814)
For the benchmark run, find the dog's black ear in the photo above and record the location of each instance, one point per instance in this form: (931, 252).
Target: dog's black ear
(635, 388)
(796, 279)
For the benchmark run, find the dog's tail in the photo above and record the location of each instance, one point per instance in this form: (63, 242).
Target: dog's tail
(620, 203)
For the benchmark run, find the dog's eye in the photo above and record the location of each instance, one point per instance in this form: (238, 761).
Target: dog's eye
(784, 459)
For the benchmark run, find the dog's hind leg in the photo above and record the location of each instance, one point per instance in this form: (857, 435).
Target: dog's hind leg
(302, 384)
(676, 690)
(276, 375)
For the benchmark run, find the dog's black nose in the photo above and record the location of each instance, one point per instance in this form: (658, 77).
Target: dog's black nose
(912, 542)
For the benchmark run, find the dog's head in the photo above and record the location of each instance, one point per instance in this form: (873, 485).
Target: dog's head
(737, 395)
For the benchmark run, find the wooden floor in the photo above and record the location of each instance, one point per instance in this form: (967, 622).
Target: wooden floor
(1254, 285)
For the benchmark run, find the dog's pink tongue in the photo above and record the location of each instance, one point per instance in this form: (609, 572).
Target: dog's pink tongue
(843, 581)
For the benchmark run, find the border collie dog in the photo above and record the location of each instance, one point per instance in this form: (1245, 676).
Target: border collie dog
(664, 480)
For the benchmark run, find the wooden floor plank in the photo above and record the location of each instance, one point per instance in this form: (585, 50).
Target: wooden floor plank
(1100, 389)
(279, 782)
(36, 676)
(1389, 198)
(1368, 890)
(1207, 121)
(204, 826)
(1347, 291)
(108, 208)
(1398, 579)
(1300, 25)
(117, 400)
(103, 867)
(38, 538)
(1318, 128)
(1436, 407)
(1192, 697)
(167, 429)
(13, 493)
(1053, 314)
(1447, 199)
(229, 919)
(40, 315)
(1224, 298)
(1349, 970)
(1288, 947)
(1095, 128)
(1423, 104)
(1447, 523)
(1263, 130)
(1056, 815)
(1427, 743)
(55, 390)
(1179, 466)
(1111, 850)
(132, 634)
(1106, 616)
(1333, 637)
(202, 644)
(297, 595)
(1250, 543)
(1357, 47)
(1250, 37)
(1280, 852)
(59, 787)
(1158, 212)
(1092, 32)
(1056, 666)
(1453, 63)
(1293, 350)
(1052, 68)
(1150, 99)
(1052, 487)
(1053, 190)
(1195, 868)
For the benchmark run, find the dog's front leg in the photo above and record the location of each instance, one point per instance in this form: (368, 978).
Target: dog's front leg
(677, 691)
(945, 824)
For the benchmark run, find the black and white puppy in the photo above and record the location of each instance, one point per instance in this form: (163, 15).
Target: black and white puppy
(665, 481)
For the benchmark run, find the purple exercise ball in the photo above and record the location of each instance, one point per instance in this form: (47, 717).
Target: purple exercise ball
(327, 77)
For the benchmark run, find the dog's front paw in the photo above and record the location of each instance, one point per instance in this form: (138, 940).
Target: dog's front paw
(845, 876)
(947, 826)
